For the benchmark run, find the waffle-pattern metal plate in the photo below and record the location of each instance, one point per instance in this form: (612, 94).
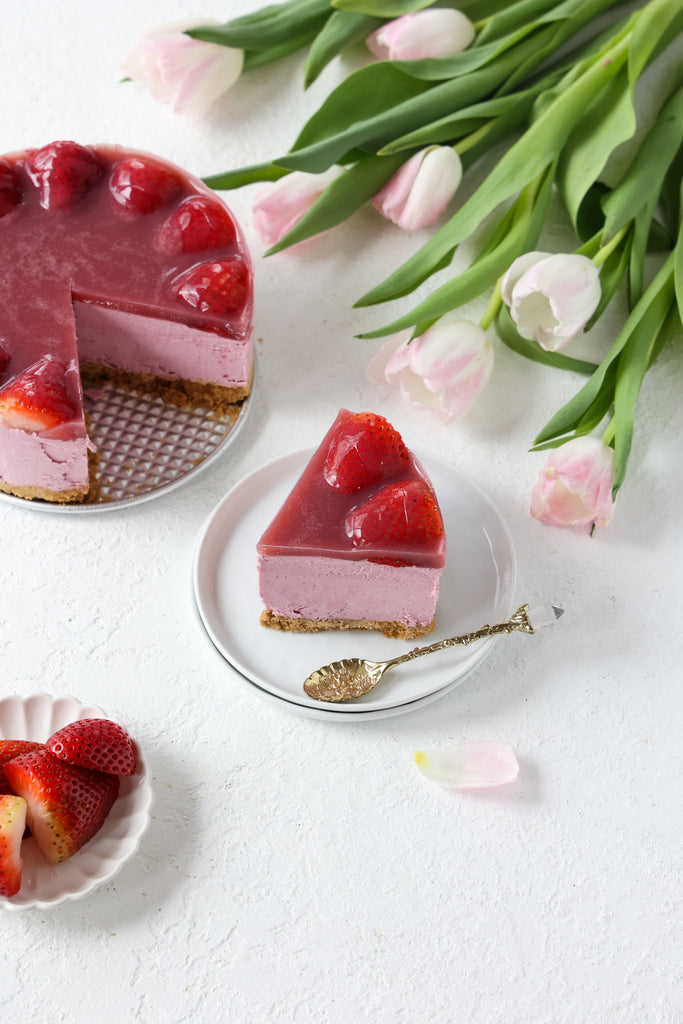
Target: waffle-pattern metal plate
(146, 447)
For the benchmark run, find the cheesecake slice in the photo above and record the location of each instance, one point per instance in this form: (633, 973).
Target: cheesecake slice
(359, 542)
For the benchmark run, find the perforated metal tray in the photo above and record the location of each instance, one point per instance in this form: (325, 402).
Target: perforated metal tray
(146, 448)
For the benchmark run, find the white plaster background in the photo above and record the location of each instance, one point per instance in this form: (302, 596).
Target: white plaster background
(299, 871)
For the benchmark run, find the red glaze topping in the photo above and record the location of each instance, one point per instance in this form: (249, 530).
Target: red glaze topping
(392, 517)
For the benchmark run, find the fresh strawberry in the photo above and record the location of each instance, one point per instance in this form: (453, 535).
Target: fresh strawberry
(11, 192)
(37, 398)
(143, 185)
(63, 172)
(95, 743)
(198, 224)
(221, 287)
(66, 805)
(10, 749)
(4, 358)
(403, 512)
(365, 449)
(12, 824)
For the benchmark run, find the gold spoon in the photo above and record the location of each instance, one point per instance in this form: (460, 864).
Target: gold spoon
(352, 677)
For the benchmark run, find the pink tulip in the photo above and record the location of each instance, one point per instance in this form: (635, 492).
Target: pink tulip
(434, 33)
(186, 73)
(551, 297)
(421, 189)
(277, 209)
(574, 488)
(444, 369)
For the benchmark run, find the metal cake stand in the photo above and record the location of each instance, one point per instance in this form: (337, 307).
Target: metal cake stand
(146, 448)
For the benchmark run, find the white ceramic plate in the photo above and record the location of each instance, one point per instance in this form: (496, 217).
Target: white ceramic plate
(477, 587)
(36, 717)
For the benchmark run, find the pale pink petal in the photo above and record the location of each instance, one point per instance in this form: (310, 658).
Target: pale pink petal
(187, 73)
(472, 765)
(444, 369)
(574, 488)
(279, 207)
(430, 33)
(517, 268)
(418, 193)
(551, 297)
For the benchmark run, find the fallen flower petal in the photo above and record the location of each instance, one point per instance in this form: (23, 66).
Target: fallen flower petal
(574, 488)
(551, 297)
(421, 189)
(186, 73)
(472, 765)
(431, 33)
(444, 369)
(277, 209)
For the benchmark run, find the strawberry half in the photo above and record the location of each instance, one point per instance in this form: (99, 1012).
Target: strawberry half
(10, 749)
(221, 287)
(404, 512)
(11, 193)
(63, 172)
(95, 743)
(12, 824)
(66, 805)
(37, 398)
(143, 185)
(198, 224)
(365, 449)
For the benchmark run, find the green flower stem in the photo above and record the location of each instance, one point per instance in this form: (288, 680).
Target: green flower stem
(495, 302)
(474, 137)
(606, 250)
(608, 436)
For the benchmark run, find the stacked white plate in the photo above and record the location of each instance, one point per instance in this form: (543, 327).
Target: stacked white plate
(477, 587)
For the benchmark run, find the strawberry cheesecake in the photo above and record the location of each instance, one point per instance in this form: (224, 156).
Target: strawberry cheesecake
(114, 266)
(359, 542)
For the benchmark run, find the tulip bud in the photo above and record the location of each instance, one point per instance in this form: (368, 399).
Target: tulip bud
(574, 488)
(551, 297)
(421, 189)
(438, 32)
(278, 208)
(444, 369)
(186, 73)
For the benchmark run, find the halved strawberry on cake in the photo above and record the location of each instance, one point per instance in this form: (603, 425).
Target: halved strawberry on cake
(359, 542)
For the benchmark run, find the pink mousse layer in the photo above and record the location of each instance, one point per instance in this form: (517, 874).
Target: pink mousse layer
(299, 586)
(145, 344)
(48, 460)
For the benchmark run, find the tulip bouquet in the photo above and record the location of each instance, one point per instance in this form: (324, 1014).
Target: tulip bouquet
(549, 83)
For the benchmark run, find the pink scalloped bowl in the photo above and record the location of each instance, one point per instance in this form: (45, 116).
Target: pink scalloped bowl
(36, 717)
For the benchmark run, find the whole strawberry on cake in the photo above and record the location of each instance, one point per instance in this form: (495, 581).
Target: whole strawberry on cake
(359, 542)
(115, 266)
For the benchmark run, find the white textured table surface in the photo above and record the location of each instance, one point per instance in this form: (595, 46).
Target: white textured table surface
(301, 871)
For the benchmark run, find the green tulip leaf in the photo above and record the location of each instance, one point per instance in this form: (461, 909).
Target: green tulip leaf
(342, 29)
(520, 164)
(382, 8)
(245, 176)
(509, 335)
(342, 197)
(268, 27)
(609, 120)
(632, 367)
(647, 171)
(566, 418)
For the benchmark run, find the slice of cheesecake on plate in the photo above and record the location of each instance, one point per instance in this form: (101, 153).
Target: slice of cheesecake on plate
(359, 542)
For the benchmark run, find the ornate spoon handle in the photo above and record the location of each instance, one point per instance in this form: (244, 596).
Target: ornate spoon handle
(518, 622)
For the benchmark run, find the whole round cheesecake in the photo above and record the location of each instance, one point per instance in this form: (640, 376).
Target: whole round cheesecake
(115, 265)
